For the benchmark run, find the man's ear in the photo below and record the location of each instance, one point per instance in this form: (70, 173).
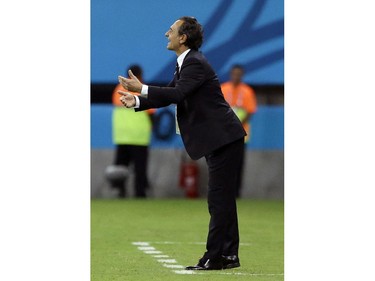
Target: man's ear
(183, 39)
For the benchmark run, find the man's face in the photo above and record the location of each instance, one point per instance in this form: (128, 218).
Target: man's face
(236, 75)
(174, 39)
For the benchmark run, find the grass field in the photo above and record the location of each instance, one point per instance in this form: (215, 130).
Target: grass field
(177, 229)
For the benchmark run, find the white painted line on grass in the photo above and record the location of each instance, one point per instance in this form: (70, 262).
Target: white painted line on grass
(161, 256)
(184, 272)
(173, 265)
(220, 272)
(141, 243)
(167, 260)
(192, 243)
(242, 273)
(143, 248)
(169, 263)
(152, 252)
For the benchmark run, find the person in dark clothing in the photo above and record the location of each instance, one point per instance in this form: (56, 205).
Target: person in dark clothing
(209, 128)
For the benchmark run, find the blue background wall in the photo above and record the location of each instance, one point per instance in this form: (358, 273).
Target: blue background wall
(267, 129)
(250, 32)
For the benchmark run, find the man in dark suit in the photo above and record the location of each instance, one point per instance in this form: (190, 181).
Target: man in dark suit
(208, 128)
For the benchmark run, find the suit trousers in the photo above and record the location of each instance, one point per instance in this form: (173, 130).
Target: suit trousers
(224, 170)
(241, 160)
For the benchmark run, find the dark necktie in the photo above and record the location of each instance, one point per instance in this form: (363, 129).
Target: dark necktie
(177, 71)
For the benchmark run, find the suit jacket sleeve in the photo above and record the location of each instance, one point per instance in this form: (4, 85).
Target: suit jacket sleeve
(145, 103)
(192, 76)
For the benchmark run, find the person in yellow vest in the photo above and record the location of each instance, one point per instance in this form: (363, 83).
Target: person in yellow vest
(242, 99)
(131, 132)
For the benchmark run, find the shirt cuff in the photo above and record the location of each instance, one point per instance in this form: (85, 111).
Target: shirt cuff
(144, 91)
(137, 103)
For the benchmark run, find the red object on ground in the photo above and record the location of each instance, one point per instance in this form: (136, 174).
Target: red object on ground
(189, 178)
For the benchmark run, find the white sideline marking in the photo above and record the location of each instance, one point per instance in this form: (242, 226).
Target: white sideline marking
(141, 243)
(184, 271)
(191, 243)
(152, 252)
(173, 265)
(143, 248)
(243, 273)
(161, 256)
(167, 261)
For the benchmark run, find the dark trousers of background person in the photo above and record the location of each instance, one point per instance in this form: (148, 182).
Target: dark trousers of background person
(241, 160)
(138, 155)
(223, 169)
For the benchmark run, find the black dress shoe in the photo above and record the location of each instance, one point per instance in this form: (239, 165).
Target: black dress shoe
(231, 262)
(200, 264)
(207, 265)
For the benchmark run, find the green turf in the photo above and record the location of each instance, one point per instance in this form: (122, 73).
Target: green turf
(115, 224)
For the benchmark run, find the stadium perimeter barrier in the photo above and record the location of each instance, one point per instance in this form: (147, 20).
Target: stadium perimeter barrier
(264, 164)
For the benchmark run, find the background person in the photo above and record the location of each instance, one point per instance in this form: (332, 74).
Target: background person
(132, 136)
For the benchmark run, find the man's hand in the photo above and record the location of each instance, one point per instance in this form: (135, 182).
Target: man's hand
(132, 84)
(127, 99)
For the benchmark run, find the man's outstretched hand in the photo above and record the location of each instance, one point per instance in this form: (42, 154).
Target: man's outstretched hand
(127, 99)
(131, 84)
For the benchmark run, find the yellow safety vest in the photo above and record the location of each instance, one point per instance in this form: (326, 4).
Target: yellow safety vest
(130, 127)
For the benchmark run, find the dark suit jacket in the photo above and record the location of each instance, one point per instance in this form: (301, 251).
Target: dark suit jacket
(205, 119)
